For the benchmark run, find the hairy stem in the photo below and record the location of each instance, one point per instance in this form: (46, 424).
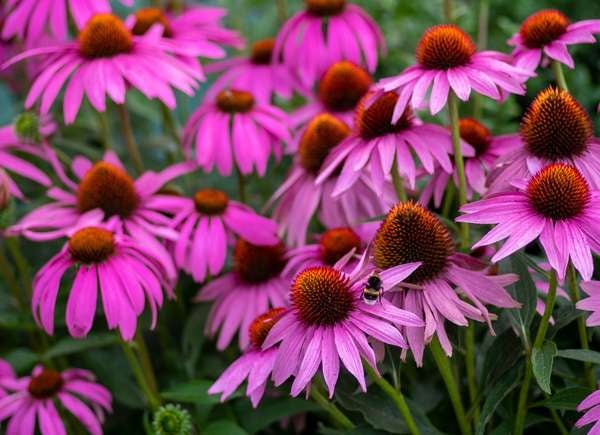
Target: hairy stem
(443, 364)
(334, 412)
(470, 366)
(583, 337)
(460, 164)
(396, 396)
(241, 185)
(559, 75)
(537, 344)
(398, 183)
(138, 373)
(132, 147)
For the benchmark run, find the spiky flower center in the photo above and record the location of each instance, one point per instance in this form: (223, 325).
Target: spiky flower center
(543, 27)
(322, 134)
(556, 126)
(337, 242)
(254, 264)
(475, 134)
(410, 233)
(558, 192)
(46, 384)
(104, 35)
(324, 8)
(211, 201)
(343, 85)
(260, 327)
(145, 18)
(445, 46)
(108, 188)
(234, 101)
(91, 245)
(262, 51)
(376, 120)
(322, 296)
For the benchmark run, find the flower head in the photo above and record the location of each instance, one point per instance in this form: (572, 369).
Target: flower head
(172, 419)
(338, 92)
(235, 127)
(548, 33)
(555, 128)
(206, 223)
(254, 285)
(255, 365)
(329, 322)
(313, 146)
(99, 256)
(378, 140)
(328, 31)
(409, 232)
(105, 59)
(555, 205)
(448, 60)
(36, 397)
(106, 188)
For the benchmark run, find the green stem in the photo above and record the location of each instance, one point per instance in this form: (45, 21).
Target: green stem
(282, 10)
(398, 183)
(170, 124)
(443, 364)
(396, 396)
(132, 147)
(583, 337)
(470, 366)
(146, 362)
(6, 271)
(557, 421)
(537, 344)
(104, 135)
(482, 38)
(14, 248)
(460, 164)
(136, 368)
(241, 185)
(559, 75)
(334, 412)
(447, 8)
(448, 199)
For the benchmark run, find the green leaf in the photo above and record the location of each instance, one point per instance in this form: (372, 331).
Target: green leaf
(22, 360)
(524, 290)
(191, 341)
(496, 395)
(195, 391)
(222, 427)
(580, 355)
(270, 411)
(68, 346)
(542, 361)
(566, 399)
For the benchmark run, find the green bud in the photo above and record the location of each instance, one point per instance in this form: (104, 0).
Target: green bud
(27, 127)
(172, 420)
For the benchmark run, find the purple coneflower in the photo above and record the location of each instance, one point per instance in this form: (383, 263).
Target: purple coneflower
(591, 408)
(30, 19)
(338, 92)
(99, 257)
(556, 205)
(411, 233)
(329, 321)
(299, 197)
(548, 32)
(234, 127)
(254, 286)
(36, 397)
(6, 372)
(555, 128)
(105, 59)
(447, 60)
(378, 142)
(487, 148)
(207, 223)
(259, 73)
(137, 205)
(325, 32)
(592, 302)
(331, 246)
(255, 364)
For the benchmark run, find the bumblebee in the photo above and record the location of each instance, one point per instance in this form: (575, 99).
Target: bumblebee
(373, 289)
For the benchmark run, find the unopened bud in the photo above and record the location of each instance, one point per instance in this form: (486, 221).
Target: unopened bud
(27, 127)
(172, 420)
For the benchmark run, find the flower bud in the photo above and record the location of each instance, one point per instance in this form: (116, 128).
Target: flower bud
(172, 420)
(27, 127)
